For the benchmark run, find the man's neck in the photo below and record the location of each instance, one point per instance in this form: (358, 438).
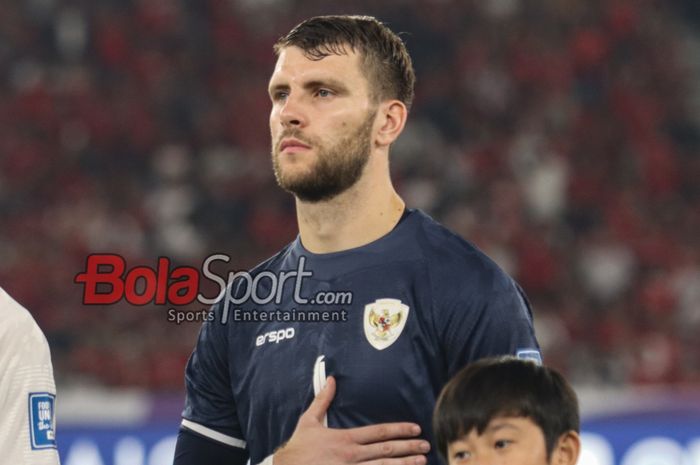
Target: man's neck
(358, 216)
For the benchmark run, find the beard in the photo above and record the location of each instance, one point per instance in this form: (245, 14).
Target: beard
(337, 168)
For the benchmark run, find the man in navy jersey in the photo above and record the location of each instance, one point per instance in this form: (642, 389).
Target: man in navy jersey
(378, 302)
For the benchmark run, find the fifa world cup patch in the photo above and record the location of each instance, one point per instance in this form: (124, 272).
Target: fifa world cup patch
(42, 422)
(530, 354)
(384, 320)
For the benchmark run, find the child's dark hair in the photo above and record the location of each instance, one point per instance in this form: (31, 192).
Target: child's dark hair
(505, 386)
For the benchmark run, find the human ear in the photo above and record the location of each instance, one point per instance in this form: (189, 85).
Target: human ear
(392, 117)
(567, 449)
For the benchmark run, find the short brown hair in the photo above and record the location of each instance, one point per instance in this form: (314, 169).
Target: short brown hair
(383, 53)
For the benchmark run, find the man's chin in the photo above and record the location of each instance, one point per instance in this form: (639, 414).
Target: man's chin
(308, 192)
(320, 195)
(294, 178)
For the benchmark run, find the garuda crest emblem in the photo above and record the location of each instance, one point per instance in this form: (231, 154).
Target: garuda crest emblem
(384, 320)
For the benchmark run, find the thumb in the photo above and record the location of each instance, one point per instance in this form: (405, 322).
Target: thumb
(319, 406)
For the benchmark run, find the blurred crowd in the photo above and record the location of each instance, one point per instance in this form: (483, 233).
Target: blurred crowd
(560, 136)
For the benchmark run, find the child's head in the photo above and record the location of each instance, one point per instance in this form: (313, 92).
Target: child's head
(507, 410)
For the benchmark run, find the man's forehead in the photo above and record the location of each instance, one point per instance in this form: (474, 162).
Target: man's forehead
(294, 60)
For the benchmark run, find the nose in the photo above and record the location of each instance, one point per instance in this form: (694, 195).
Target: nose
(292, 113)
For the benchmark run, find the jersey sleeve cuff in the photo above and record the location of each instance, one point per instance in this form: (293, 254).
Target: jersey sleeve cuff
(213, 434)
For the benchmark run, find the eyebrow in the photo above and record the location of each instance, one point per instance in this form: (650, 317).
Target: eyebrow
(313, 84)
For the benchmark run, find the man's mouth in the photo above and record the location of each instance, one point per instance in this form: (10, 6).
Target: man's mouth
(291, 145)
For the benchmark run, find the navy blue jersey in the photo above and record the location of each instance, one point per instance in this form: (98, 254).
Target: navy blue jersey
(405, 312)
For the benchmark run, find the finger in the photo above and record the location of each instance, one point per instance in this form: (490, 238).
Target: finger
(412, 460)
(383, 432)
(395, 448)
(319, 406)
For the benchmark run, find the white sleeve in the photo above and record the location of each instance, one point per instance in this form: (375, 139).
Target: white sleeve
(27, 389)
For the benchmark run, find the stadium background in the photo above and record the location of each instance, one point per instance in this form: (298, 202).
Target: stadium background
(560, 136)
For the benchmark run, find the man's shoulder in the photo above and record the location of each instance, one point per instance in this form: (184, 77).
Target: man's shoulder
(14, 316)
(18, 326)
(454, 258)
(275, 262)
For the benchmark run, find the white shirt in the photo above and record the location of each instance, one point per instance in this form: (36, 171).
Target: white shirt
(27, 389)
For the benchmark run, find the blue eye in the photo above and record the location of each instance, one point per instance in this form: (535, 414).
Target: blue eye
(324, 93)
(280, 95)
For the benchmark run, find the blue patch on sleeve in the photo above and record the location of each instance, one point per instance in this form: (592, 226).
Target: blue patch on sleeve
(42, 423)
(530, 354)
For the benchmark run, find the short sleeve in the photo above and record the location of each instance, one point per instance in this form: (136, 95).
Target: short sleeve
(487, 323)
(210, 409)
(27, 389)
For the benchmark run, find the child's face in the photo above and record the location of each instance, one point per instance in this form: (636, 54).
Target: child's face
(508, 441)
